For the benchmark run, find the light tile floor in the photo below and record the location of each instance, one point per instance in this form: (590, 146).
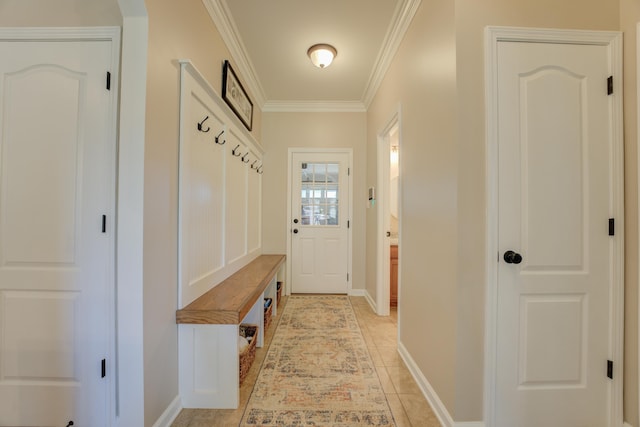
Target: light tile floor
(408, 405)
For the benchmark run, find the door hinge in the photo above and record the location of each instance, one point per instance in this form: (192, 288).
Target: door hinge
(612, 227)
(610, 369)
(348, 171)
(347, 277)
(348, 224)
(104, 223)
(108, 80)
(610, 85)
(104, 368)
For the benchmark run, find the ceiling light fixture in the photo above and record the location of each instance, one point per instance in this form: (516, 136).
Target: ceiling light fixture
(322, 55)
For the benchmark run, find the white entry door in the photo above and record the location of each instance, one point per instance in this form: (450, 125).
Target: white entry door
(554, 318)
(57, 154)
(320, 222)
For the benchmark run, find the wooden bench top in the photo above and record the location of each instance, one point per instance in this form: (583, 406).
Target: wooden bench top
(230, 301)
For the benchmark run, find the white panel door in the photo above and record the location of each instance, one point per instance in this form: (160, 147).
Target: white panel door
(320, 223)
(57, 159)
(554, 275)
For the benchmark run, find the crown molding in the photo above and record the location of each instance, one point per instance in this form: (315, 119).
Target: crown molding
(314, 107)
(222, 19)
(398, 28)
(59, 33)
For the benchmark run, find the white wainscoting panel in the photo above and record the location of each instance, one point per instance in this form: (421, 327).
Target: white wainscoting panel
(220, 189)
(208, 371)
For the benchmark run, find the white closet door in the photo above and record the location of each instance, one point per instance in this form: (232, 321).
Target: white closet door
(57, 168)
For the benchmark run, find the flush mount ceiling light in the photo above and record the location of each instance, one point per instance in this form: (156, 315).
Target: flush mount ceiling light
(322, 54)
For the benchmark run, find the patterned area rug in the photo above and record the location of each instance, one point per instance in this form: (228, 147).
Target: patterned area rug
(318, 371)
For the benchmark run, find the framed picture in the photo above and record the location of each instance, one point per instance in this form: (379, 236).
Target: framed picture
(235, 96)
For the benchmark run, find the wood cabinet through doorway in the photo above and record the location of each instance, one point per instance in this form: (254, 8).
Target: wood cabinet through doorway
(393, 294)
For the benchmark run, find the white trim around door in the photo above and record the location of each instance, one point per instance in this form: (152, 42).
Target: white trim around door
(112, 35)
(130, 240)
(290, 156)
(637, 163)
(613, 40)
(383, 212)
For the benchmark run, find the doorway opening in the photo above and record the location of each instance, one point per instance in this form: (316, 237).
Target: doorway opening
(388, 212)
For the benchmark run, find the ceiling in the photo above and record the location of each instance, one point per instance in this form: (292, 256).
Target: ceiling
(268, 41)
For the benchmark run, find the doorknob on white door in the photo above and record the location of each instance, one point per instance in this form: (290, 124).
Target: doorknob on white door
(511, 257)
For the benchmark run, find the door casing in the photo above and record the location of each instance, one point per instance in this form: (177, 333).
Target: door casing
(291, 151)
(381, 304)
(112, 34)
(613, 40)
(638, 162)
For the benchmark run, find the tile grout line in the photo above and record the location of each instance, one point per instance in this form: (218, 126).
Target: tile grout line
(355, 312)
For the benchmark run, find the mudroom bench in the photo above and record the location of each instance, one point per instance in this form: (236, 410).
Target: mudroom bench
(208, 330)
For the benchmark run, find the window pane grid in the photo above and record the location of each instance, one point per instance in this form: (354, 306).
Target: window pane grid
(320, 190)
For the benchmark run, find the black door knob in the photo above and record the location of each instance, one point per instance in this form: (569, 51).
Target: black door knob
(511, 257)
(295, 221)
(295, 231)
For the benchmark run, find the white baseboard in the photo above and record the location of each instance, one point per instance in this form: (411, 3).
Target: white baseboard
(170, 414)
(371, 301)
(430, 394)
(357, 292)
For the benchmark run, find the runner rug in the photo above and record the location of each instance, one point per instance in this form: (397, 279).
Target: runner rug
(318, 371)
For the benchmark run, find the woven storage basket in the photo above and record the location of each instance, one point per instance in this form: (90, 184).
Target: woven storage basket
(267, 315)
(279, 293)
(249, 354)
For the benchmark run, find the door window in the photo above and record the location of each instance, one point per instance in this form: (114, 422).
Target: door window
(319, 204)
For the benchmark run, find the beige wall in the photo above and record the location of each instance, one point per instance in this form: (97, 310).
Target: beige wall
(471, 19)
(177, 30)
(60, 13)
(422, 81)
(443, 175)
(437, 79)
(301, 130)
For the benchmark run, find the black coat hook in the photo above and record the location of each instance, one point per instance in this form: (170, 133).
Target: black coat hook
(253, 165)
(201, 123)
(234, 151)
(246, 156)
(218, 138)
(259, 170)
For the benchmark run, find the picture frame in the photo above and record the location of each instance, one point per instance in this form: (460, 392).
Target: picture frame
(235, 96)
